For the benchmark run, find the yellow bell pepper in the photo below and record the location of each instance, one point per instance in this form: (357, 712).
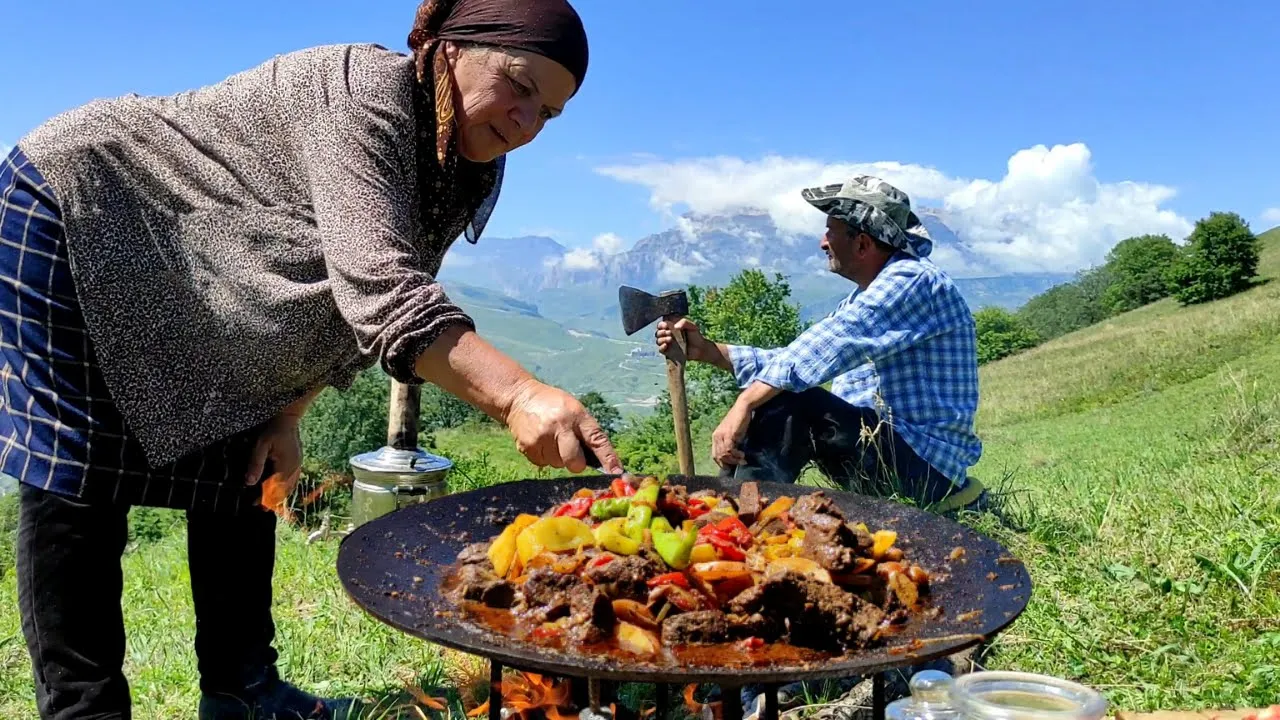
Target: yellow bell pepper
(503, 550)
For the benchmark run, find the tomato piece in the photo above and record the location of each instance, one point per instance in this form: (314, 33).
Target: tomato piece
(621, 488)
(672, 578)
(697, 507)
(751, 643)
(576, 508)
(735, 530)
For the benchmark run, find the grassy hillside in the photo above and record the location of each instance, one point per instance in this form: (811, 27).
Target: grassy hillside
(1142, 471)
(576, 360)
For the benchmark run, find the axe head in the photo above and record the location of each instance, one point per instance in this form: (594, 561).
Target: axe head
(640, 308)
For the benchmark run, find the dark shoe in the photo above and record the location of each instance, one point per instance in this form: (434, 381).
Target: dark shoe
(273, 699)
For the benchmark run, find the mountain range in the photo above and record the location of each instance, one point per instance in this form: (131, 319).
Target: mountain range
(555, 309)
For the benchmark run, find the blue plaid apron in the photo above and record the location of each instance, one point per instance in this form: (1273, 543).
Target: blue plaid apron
(59, 428)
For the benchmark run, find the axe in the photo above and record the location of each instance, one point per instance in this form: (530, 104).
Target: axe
(640, 308)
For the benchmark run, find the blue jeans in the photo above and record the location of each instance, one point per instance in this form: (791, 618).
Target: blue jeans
(849, 444)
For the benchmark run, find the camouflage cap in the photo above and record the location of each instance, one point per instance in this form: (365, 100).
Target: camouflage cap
(878, 208)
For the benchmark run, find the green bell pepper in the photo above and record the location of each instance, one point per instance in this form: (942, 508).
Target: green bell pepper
(607, 508)
(674, 546)
(640, 513)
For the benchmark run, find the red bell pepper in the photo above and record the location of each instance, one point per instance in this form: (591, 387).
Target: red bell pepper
(697, 508)
(730, 529)
(621, 488)
(602, 560)
(727, 548)
(575, 508)
(672, 578)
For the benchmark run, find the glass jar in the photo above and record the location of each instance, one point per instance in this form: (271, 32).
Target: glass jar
(996, 695)
(1004, 695)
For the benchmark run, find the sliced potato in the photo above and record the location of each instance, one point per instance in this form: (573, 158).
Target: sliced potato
(503, 549)
(804, 566)
(635, 639)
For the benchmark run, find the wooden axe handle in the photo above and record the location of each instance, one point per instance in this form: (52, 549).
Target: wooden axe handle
(402, 416)
(679, 402)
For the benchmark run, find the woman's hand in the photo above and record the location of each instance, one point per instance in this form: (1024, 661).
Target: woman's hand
(551, 427)
(281, 443)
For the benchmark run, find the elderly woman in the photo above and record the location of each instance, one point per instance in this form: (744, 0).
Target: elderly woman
(182, 275)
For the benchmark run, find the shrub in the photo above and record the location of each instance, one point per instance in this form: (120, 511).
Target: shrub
(1001, 334)
(1220, 259)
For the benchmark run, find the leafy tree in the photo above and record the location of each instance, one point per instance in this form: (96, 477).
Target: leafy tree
(1068, 307)
(751, 310)
(441, 410)
(605, 413)
(1140, 271)
(1001, 333)
(339, 425)
(1220, 259)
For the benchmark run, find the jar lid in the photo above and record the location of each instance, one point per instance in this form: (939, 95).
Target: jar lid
(389, 460)
(996, 695)
(930, 699)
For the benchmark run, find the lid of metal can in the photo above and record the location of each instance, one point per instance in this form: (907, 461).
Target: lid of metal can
(389, 460)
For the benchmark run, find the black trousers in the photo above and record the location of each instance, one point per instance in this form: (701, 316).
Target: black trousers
(850, 445)
(69, 592)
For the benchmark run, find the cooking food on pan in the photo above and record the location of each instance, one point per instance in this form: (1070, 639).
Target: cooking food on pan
(644, 567)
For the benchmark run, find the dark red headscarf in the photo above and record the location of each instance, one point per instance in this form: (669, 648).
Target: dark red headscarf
(550, 28)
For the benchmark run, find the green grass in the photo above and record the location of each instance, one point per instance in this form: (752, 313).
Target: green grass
(1142, 465)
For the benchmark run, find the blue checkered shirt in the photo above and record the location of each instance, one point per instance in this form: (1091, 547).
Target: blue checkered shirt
(904, 347)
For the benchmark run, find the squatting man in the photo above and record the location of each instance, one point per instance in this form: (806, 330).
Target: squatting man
(899, 352)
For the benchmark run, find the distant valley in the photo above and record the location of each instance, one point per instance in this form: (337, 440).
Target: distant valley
(555, 309)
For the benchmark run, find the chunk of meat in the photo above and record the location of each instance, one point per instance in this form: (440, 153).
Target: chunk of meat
(545, 596)
(748, 502)
(696, 628)
(475, 554)
(625, 576)
(767, 628)
(591, 616)
(477, 583)
(828, 539)
(820, 615)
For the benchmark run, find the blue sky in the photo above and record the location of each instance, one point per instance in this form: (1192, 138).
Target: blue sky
(1160, 112)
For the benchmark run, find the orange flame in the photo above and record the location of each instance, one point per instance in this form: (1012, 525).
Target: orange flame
(529, 694)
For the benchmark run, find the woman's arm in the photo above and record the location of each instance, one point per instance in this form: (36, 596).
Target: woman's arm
(550, 426)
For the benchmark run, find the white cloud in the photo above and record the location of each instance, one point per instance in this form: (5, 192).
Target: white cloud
(674, 272)
(1271, 215)
(608, 244)
(581, 259)
(589, 258)
(1048, 212)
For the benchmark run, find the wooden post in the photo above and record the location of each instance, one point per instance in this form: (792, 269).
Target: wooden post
(402, 416)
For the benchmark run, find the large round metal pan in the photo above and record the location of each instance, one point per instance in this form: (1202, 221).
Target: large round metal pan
(393, 566)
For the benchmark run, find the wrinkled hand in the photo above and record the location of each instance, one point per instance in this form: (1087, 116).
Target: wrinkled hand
(694, 342)
(728, 436)
(550, 427)
(281, 443)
